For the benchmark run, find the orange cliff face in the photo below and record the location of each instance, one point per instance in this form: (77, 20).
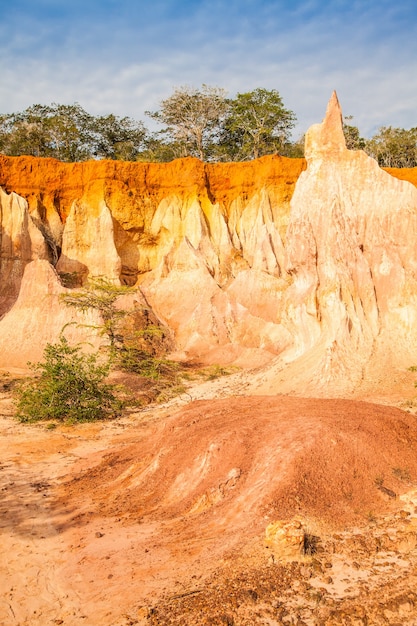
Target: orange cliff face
(140, 222)
(51, 186)
(134, 190)
(134, 193)
(405, 173)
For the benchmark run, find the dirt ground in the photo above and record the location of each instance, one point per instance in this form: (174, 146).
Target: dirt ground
(159, 517)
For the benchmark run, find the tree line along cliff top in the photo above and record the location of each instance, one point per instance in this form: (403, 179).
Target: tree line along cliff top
(201, 122)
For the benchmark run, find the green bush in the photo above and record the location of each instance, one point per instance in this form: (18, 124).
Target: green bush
(141, 362)
(69, 387)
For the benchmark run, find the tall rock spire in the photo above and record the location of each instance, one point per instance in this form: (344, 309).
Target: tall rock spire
(352, 256)
(328, 136)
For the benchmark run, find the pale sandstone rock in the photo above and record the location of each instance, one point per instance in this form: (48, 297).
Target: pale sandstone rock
(21, 242)
(185, 296)
(39, 316)
(176, 222)
(255, 233)
(285, 540)
(204, 317)
(88, 244)
(351, 253)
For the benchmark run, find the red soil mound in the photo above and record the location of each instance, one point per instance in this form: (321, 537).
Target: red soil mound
(101, 519)
(179, 496)
(229, 463)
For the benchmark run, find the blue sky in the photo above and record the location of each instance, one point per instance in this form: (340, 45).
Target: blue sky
(125, 56)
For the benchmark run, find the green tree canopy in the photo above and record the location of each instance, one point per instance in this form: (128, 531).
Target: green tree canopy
(394, 147)
(118, 138)
(57, 130)
(69, 133)
(257, 123)
(199, 122)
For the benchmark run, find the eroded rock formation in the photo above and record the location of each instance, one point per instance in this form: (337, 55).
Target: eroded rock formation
(191, 235)
(311, 263)
(39, 316)
(351, 252)
(21, 242)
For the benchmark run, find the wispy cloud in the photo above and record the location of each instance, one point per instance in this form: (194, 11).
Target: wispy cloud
(124, 56)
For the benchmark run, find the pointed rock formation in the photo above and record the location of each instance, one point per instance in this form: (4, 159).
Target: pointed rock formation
(326, 138)
(351, 253)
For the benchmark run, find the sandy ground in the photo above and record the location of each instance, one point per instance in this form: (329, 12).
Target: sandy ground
(112, 523)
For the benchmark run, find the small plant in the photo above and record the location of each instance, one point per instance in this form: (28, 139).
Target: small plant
(411, 403)
(166, 376)
(216, 371)
(135, 328)
(311, 543)
(69, 387)
(141, 362)
(70, 279)
(167, 392)
(7, 382)
(101, 295)
(137, 342)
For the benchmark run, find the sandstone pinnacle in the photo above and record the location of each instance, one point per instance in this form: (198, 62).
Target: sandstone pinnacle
(328, 136)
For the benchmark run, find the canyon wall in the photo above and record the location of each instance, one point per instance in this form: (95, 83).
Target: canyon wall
(307, 265)
(183, 232)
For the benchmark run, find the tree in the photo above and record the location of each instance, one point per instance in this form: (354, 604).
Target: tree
(192, 117)
(4, 131)
(69, 387)
(118, 138)
(394, 147)
(56, 130)
(352, 136)
(69, 133)
(257, 123)
(101, 295)
(158, 150)
(25, 133)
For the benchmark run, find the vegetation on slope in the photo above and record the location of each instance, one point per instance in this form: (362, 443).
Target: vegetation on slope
(71, 386)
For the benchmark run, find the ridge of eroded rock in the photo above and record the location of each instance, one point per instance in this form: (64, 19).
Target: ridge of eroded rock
(316, 267)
